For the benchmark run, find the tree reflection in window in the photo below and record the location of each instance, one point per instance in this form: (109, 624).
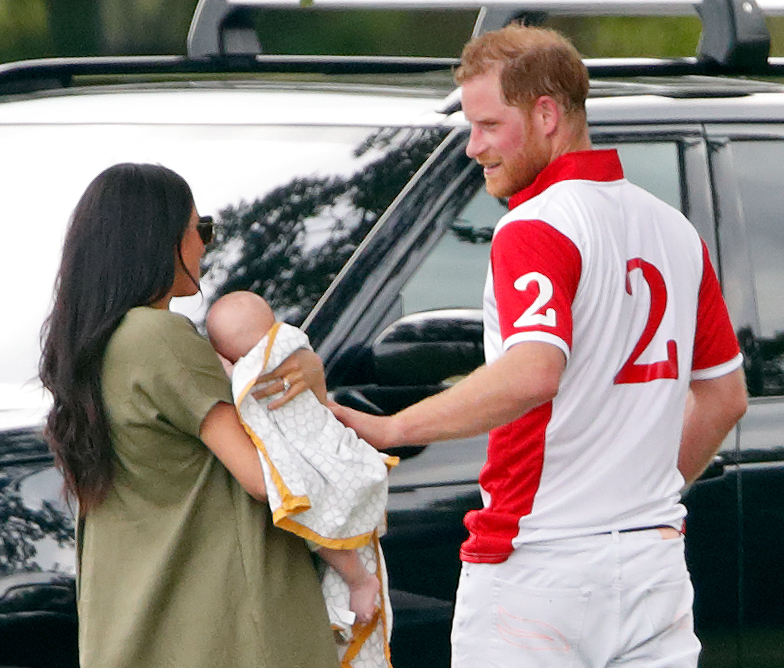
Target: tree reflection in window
(23, 527)
(289, 244)
(26, 520)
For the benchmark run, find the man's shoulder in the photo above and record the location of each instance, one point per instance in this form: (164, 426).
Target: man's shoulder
(548, 207)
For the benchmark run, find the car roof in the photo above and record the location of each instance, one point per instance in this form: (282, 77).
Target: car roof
(229, 103)
(653, 109)
(648, 100)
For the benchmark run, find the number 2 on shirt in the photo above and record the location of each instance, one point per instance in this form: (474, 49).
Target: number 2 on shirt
(530, 316)
(631, 372)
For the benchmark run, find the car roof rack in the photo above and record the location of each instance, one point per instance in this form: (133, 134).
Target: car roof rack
(734, 35)
(223, 39)
(28, 76)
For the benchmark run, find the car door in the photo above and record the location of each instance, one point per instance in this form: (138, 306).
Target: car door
(747, 166)
(396, 315)
(673, 162)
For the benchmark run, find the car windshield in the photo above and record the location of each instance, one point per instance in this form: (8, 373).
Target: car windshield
(291, 204)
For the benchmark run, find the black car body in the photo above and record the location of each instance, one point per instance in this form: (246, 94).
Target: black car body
(379, 249)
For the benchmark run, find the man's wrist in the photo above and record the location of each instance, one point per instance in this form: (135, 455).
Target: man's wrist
(397, 433)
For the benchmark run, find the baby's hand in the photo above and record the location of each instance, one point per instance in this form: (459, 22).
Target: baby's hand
(228, 367)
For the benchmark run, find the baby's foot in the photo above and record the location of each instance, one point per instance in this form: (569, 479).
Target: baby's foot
(362, 598)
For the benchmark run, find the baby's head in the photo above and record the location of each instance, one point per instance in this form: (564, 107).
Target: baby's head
(236, 323)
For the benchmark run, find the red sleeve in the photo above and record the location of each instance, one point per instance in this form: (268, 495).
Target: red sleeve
(536, 271)
(715, 342)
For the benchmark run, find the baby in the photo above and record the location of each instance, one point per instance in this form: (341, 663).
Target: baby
(242, 328)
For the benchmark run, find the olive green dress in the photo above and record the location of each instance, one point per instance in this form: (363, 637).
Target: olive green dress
(180, 566)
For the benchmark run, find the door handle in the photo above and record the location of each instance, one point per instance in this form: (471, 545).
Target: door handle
(354, 399)
(714, 470)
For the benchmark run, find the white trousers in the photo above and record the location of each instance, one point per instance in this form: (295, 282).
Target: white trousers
(611, 600)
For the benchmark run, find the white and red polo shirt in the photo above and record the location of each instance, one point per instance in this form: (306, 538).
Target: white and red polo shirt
(622, 283)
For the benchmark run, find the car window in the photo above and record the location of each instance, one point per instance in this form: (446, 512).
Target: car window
(655, 166)
(758, 170)
(292, 203)
(453, 274)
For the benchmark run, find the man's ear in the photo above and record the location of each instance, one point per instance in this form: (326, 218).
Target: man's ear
(547, 114)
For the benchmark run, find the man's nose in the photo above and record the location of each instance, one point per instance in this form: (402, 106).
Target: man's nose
(475, 146)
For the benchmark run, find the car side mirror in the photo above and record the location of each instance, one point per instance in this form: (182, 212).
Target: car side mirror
(427, 348)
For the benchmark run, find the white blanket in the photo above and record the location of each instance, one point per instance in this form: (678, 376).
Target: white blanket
(324, 483)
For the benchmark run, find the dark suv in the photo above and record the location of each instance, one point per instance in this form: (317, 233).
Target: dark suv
(344, 197)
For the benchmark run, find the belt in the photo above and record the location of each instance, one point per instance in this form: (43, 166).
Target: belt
(665, 530)
(658, 526)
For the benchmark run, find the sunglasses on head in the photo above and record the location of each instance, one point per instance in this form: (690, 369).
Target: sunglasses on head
(205, 228)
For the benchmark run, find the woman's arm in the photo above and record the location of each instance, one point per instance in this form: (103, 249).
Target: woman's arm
(222, 433)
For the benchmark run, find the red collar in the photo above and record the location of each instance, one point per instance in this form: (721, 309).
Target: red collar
(596, 165)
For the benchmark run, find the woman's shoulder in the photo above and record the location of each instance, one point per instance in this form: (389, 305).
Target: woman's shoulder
(160, 317)
(145, 328)
(151, 320)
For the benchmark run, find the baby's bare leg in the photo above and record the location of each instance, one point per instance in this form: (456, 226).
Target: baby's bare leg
(362, 585)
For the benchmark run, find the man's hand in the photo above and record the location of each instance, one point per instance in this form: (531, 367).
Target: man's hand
(527, 375)
(375, 429)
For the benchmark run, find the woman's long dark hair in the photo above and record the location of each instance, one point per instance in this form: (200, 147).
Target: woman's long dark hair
(119, 252)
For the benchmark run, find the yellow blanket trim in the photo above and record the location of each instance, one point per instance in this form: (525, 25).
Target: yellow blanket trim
(294, 505)
(361, 632)
(272, 334)
(350, 543)
(377, 548)
(391, 462)
(290, 502)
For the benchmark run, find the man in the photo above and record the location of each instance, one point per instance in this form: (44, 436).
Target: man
(613, 374)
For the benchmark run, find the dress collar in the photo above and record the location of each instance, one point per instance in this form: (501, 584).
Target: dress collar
(595, 165)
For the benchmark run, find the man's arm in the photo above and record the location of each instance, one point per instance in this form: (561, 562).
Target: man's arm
(524, 377)
(712, 409)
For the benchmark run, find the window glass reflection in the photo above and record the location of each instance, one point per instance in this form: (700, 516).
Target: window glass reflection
(453, 274)
(758, 168)
(293, 203)
(290, 242)
(654, 166)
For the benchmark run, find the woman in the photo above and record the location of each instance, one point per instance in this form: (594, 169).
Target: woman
(179, 562)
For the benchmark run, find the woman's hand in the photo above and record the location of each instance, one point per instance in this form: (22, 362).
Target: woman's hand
(300, 371)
